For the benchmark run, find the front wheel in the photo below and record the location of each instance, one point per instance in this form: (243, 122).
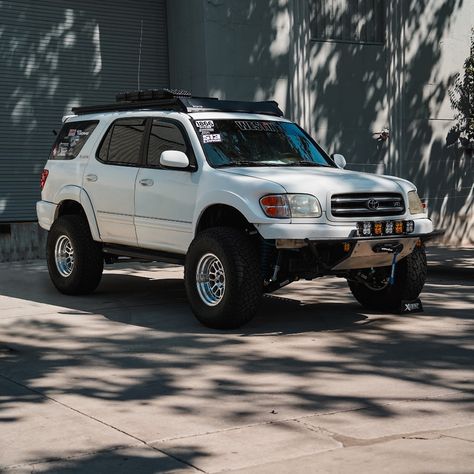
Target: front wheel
(222, 278)
(376, 293)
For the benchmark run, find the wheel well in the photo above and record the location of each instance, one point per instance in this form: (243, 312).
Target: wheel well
(69, 207)
(221, 215)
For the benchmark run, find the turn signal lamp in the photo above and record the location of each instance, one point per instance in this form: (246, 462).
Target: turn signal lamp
(275, 205)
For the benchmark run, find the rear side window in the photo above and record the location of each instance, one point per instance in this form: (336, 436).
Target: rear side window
(164, 136)
(72, 137)
(122, 144)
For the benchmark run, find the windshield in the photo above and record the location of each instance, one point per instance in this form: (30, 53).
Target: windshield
(258, 143)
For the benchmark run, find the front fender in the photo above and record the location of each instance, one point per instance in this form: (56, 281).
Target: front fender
(248, 204)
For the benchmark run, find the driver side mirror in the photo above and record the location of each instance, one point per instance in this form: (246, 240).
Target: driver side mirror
(339, 160)
(174, 159)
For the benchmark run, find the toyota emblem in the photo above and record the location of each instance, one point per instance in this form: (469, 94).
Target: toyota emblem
(372, 204)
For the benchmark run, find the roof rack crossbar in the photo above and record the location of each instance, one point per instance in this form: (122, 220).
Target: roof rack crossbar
(160, 104)
(169, 99)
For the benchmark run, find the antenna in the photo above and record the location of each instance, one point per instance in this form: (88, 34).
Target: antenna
(140, 53)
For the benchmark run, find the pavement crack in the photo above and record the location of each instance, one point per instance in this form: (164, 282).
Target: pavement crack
(104, 423)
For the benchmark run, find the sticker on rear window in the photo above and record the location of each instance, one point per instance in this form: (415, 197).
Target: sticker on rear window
(212, 138)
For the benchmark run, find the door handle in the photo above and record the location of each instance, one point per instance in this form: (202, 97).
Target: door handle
(91, 177)
(146, 182)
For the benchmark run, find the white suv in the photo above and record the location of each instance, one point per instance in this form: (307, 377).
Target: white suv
(241, 196)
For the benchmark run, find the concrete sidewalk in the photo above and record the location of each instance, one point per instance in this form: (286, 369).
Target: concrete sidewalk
(451, 260)
(126, 380)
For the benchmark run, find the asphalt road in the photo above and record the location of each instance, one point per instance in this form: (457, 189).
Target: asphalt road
(126, 380)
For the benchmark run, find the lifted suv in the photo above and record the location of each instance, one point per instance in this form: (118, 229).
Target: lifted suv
(241, 196)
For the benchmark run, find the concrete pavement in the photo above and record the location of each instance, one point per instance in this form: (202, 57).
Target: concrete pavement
(126, 380)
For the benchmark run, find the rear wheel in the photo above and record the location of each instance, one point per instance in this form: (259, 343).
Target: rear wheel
(75, 261)
(222, 278)
(371, 289)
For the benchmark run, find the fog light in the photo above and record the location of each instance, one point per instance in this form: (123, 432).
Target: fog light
(398, 227)
(389, 227)
(410, 226)
(346, 246)
(366, 228)
(378, 228)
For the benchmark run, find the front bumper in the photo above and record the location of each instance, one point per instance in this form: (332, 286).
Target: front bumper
(352, 253)
(328, 231)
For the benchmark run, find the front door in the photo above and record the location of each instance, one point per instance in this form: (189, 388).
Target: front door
(165, 198)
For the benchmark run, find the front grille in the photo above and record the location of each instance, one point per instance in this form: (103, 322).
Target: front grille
(367, 205)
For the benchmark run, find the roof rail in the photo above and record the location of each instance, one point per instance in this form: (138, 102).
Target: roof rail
(179, 100)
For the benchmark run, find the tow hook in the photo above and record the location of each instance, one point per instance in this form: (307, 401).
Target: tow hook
(393, 248)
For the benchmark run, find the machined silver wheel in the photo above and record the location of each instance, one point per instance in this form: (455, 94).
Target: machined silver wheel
(64, 256)
(210, 279)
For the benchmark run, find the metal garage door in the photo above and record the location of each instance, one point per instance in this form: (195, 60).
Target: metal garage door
(55, 55)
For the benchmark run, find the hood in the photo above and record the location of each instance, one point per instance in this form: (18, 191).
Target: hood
(321, 181)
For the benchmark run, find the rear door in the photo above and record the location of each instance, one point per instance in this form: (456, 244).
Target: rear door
(110, 176)
(165, 198)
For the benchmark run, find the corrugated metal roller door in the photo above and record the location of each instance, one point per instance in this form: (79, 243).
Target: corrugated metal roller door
(55, 55)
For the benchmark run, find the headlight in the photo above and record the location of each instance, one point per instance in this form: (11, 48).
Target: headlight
(285, 206)
(414, 203)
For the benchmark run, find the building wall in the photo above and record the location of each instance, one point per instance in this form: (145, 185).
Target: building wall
(55, 55)
(344, 92)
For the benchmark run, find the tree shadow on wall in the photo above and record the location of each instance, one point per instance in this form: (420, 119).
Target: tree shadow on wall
(344, 92)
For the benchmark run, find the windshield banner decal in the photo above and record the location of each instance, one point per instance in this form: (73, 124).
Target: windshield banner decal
(254, 126)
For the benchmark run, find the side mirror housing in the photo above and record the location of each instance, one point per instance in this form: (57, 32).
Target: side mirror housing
(339, 160)
(174, 159)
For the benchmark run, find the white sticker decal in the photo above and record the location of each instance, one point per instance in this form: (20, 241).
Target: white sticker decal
(205, 124)
(212, 138)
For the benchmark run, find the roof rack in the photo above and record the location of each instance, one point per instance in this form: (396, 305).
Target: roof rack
(179, 100)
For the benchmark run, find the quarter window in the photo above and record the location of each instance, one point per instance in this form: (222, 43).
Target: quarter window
(71, 139)
(164, 136)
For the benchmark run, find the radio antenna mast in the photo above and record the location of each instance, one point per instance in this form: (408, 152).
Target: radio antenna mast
(140, 54)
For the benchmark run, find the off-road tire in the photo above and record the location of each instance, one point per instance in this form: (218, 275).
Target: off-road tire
(410, 277)
(88, 259)
(243, 280)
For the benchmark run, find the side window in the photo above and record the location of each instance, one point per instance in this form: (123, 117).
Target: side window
(164, 136)
(123, 141)
(71, 139)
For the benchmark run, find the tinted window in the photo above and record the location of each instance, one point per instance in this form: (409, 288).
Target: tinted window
(71, 139)
(123, 141)
(164, 136)
(258, 143)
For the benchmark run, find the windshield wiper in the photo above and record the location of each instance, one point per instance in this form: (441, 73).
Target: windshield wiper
(246, 163)
(303, 163)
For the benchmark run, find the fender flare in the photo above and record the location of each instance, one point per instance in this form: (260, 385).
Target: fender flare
(79, 195)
